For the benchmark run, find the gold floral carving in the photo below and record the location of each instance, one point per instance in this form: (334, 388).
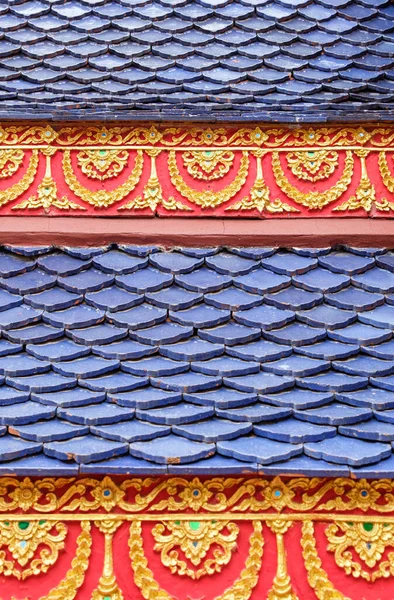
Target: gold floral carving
(365, 196)
(102, 164)
(208, 164)
(47, 191)
(195, 539)
(260, 194)
(314, 199)
(10, 161)
(216, 495)
(281, 588)
(16, 190)
(153, 194)
(107, 585)
(388, 181)
(369, 541)
(19, 541)
(317, 576)
(208, 198)
(67, 589)
(240, 590)
(102, 198)
(312, 165)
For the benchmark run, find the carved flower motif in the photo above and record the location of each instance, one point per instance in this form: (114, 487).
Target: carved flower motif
(107, 494)
(258, 136)
(278, 494)
(195, 494)
(361, 135)
(26, 494)
(363, 495)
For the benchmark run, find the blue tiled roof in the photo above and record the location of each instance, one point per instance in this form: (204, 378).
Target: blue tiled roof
(223, 360)
(223, 60)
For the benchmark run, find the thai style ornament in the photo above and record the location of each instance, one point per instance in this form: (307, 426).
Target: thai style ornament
(240, 590)
(314, 199)
(208, 164)
(281, 588)
(19, 541)
(107, 588)
(365, 196)
(10, 161)
(102, 198)
(317, 576)
(153, 194)
(207, 198)
(47, 191)
(17, 189)
(195, 539)
(102, 164)
(368, 540)
(312, 165)
(260, 194)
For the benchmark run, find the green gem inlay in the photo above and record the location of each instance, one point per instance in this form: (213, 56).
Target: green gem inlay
(194, 525)
(368, 526)
(23, 525)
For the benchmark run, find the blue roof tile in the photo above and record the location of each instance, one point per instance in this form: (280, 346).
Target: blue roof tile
(293, 363)
(347, 451)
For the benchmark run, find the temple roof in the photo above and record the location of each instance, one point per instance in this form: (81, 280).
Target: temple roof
(137, 360)
(224, 60)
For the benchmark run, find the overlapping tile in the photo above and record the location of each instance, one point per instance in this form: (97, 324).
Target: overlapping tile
(196, 360)
(267, 58)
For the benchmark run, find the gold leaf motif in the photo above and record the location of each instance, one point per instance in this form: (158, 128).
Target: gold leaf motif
(365, 196)
(240, 590)
(107, 585)
(22, 538)
(67, 589)
(102, 198)
(313, 165)
(10, 161)
(102, 164)
(208, 165)
(195, 539)
(260, 194)
(313, 200)
(207, 198)
(369, 541)
(388, 180)
(317, 576)
(153, 194)
(23, 184)
(281, 588)
(47, 191)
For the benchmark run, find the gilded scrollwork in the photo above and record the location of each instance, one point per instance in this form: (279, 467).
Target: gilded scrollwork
(150, 589)
(368, 541)
(102, 164)
(208, 165)
(19, 541)
(259, 196)
(195, 539)
(208, 198)
(18, 188)
(317, 577)
(47, 191)
(10, 161)
(152, 195)
(107, 585)
(216, 495)
(314, 199)
(102, 198)
(312, 165)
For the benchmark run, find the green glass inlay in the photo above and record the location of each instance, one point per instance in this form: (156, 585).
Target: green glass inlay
(368, 526)
(23, 525)
(194, 525)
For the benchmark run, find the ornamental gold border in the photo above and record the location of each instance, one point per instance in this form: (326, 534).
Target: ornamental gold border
(242, 497)
(190, 136)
